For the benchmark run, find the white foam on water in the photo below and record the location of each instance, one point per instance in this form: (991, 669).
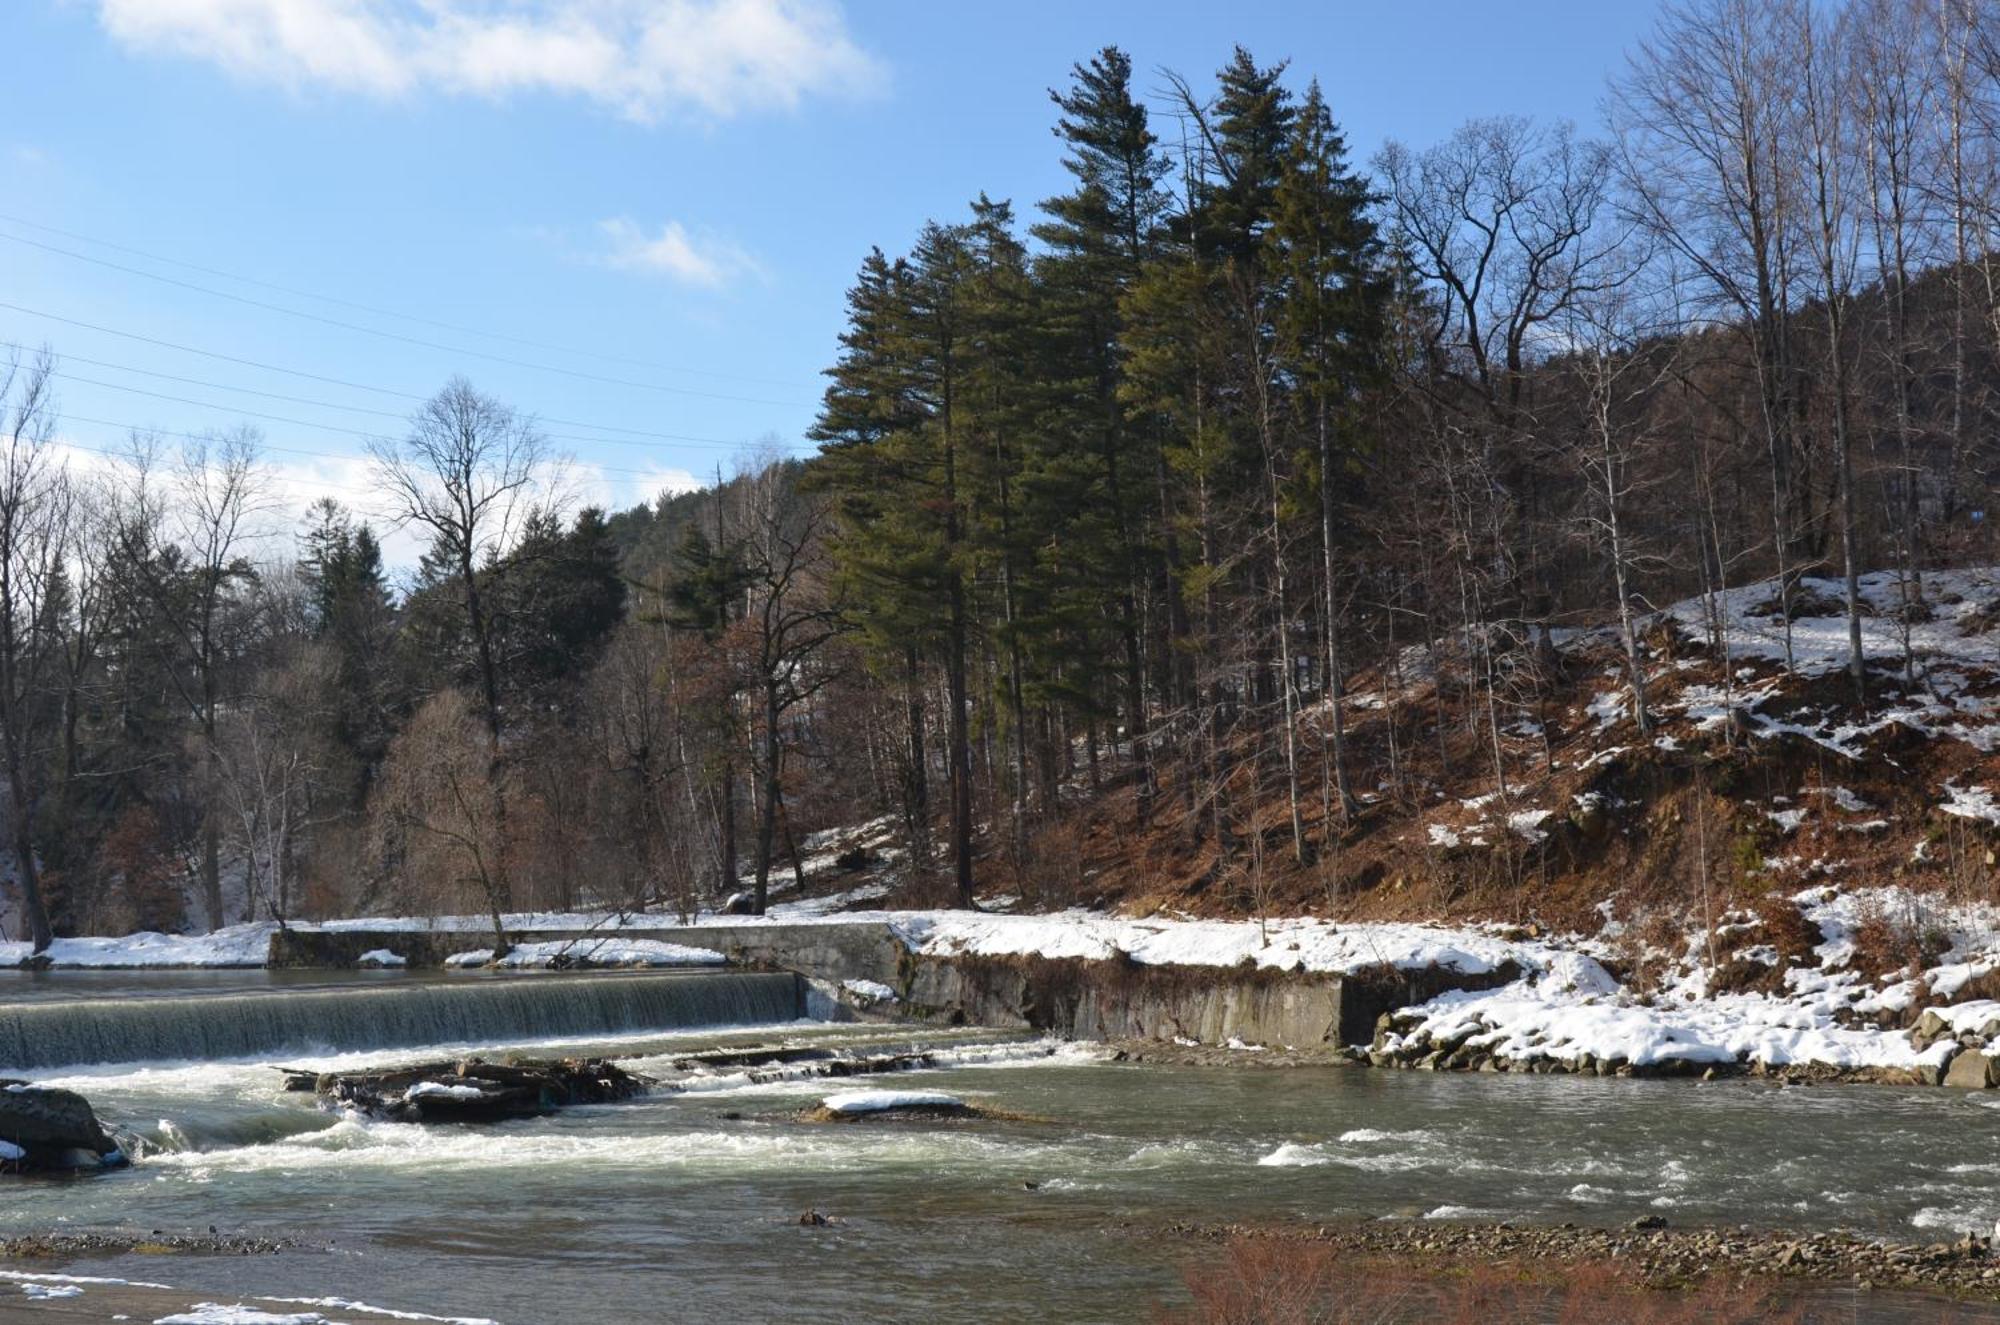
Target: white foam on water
(885, 1101)
(1396, 1163)
(1292, 1155)
(183, 1076)
(1955, 1221)
(798, 1078)
(25, 1277)
(352, 1146)
(390, 1313)
(218, 1313)
(1370, 1136)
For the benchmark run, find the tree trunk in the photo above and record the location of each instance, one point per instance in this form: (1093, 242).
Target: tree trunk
(767, 821)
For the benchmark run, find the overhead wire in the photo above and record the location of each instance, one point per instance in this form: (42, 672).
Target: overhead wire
(577, 373)
(62, 360)
(307, 375)
(388, 312)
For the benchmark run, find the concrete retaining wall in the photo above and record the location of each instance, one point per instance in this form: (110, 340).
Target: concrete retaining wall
(1109, 1000)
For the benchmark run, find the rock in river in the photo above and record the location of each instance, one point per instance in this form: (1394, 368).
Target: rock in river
(471, 1090)
(42, 1129)
(852, 1105)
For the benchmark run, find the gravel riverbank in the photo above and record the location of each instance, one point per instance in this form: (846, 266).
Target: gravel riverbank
(1653, 1253)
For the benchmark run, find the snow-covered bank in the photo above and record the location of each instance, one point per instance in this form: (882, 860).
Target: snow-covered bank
(1824, 1015)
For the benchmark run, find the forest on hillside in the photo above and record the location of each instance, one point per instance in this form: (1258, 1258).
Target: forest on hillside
(1118, 487)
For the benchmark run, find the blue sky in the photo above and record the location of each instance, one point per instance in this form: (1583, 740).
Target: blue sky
(679, 189)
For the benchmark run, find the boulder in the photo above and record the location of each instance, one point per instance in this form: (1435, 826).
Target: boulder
(1930, 1028)
(1973, 1070)
(45, 1128)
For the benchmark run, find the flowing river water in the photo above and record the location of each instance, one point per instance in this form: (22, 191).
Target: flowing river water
(684, 1204)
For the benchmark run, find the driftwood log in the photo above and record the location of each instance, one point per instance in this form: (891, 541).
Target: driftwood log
(470, 1090)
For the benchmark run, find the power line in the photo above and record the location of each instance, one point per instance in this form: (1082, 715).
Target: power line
(303, 374)
(599, 378)
(387, 312)
(275, 418)
(65, 359)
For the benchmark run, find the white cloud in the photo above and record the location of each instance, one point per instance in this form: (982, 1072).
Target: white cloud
(676, 253)
(643, 59)
(287, 484)
(594, 486)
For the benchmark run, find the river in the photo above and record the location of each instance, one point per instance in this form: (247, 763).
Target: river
(685, 1205)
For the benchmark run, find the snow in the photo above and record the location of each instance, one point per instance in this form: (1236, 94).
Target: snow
(10, 1151)
(1609, 707)
(1973, 1016)
(440, 1090)
(1819, 644)
(1567, 1007)
(237, 946)
(1305, 944)
(1529, 1020)
(1296, 944)
(1788, 821)
(380, 957)
(1974, 802)
(609, 952)
(869, 991)
(46, 1292)
(1527, 824)
(880, 1101)
(830, 904)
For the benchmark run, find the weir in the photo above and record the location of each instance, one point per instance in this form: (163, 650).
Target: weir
(401, 1015)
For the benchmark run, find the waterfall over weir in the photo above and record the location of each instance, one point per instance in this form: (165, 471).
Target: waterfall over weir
(197, 1027)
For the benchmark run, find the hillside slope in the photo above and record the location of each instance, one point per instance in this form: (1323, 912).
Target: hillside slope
(1540, 801)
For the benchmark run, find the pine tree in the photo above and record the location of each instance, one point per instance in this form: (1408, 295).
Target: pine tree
(894, 436)
(1099, 238)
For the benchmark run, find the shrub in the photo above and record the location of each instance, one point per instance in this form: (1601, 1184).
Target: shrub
(1786, 928)
(1887, 942)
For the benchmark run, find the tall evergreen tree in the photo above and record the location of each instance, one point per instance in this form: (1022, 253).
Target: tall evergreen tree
(1098, 239)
